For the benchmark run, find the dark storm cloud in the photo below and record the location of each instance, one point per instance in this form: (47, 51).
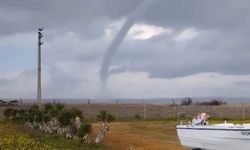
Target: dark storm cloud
(224, 48)
(48, 13)
(221, 14)
(166, 59)
(27, 15)
(77, 16)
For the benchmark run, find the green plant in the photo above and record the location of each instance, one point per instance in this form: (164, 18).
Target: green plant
(84, 129)
(104, 116)
(76, 113)
(64, 117)
(54, 109)
(35, 114)
(20, 115)
(10, 113)
(59, 106)
(138, 117)
(46, 117)
(48, 106)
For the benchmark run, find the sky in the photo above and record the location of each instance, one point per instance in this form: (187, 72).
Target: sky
(176, 48)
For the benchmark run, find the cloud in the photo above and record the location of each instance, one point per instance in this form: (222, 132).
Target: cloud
(20, 84)
(170, 59)
(175, 42)
(140, 85)
(144, 32)
(242, 83)
(187, 34)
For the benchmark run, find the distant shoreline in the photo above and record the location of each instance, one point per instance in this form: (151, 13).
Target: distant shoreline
(156, 101)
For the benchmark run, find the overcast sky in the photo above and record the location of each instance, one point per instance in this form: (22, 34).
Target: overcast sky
(177, 48)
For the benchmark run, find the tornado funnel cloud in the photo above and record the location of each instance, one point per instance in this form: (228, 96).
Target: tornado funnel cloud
(138, 11)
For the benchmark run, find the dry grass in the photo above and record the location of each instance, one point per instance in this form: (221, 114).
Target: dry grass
(150, 135)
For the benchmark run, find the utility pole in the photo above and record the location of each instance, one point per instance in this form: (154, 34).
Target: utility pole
(39, 87)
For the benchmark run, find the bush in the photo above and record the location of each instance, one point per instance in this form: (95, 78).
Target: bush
(58, 106)
(35, 114)
(53, 110)
(48, 107)
(212, 103)
(104, 116)
(10, 113)
(76, 113)
(21, 112)
(46, 117)
(64, 117)
(138, 117)
(84, 129)
(20, 116)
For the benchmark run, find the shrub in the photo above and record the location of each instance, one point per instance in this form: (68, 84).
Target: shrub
(58, 106)
(20, 116)
(54, 109)
(21, 112)
(64, 117)
(48, 107)
(46, 117)
(138, 117)
(84, 129)
(76, 113)
(35, 114)
(104, 116)
(10, 113)
(212, 103)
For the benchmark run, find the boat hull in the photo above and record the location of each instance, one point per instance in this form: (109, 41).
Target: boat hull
(214, 137)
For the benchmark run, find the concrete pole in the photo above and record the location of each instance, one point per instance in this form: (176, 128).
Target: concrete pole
(39, 68)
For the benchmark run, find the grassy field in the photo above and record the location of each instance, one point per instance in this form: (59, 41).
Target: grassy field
(143, 135)
(17, 137)
(124, 135)
(148, 135)
(134, 135)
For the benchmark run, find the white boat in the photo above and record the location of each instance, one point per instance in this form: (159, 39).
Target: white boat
(226, 136)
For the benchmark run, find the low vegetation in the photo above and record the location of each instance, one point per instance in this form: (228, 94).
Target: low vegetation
(105, 119)
(57, 121)
(213, 102)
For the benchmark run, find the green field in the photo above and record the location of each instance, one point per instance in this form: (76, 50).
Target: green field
(16, 136)
(123, 135)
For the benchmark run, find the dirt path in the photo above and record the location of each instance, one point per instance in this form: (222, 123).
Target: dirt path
(154, 135)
